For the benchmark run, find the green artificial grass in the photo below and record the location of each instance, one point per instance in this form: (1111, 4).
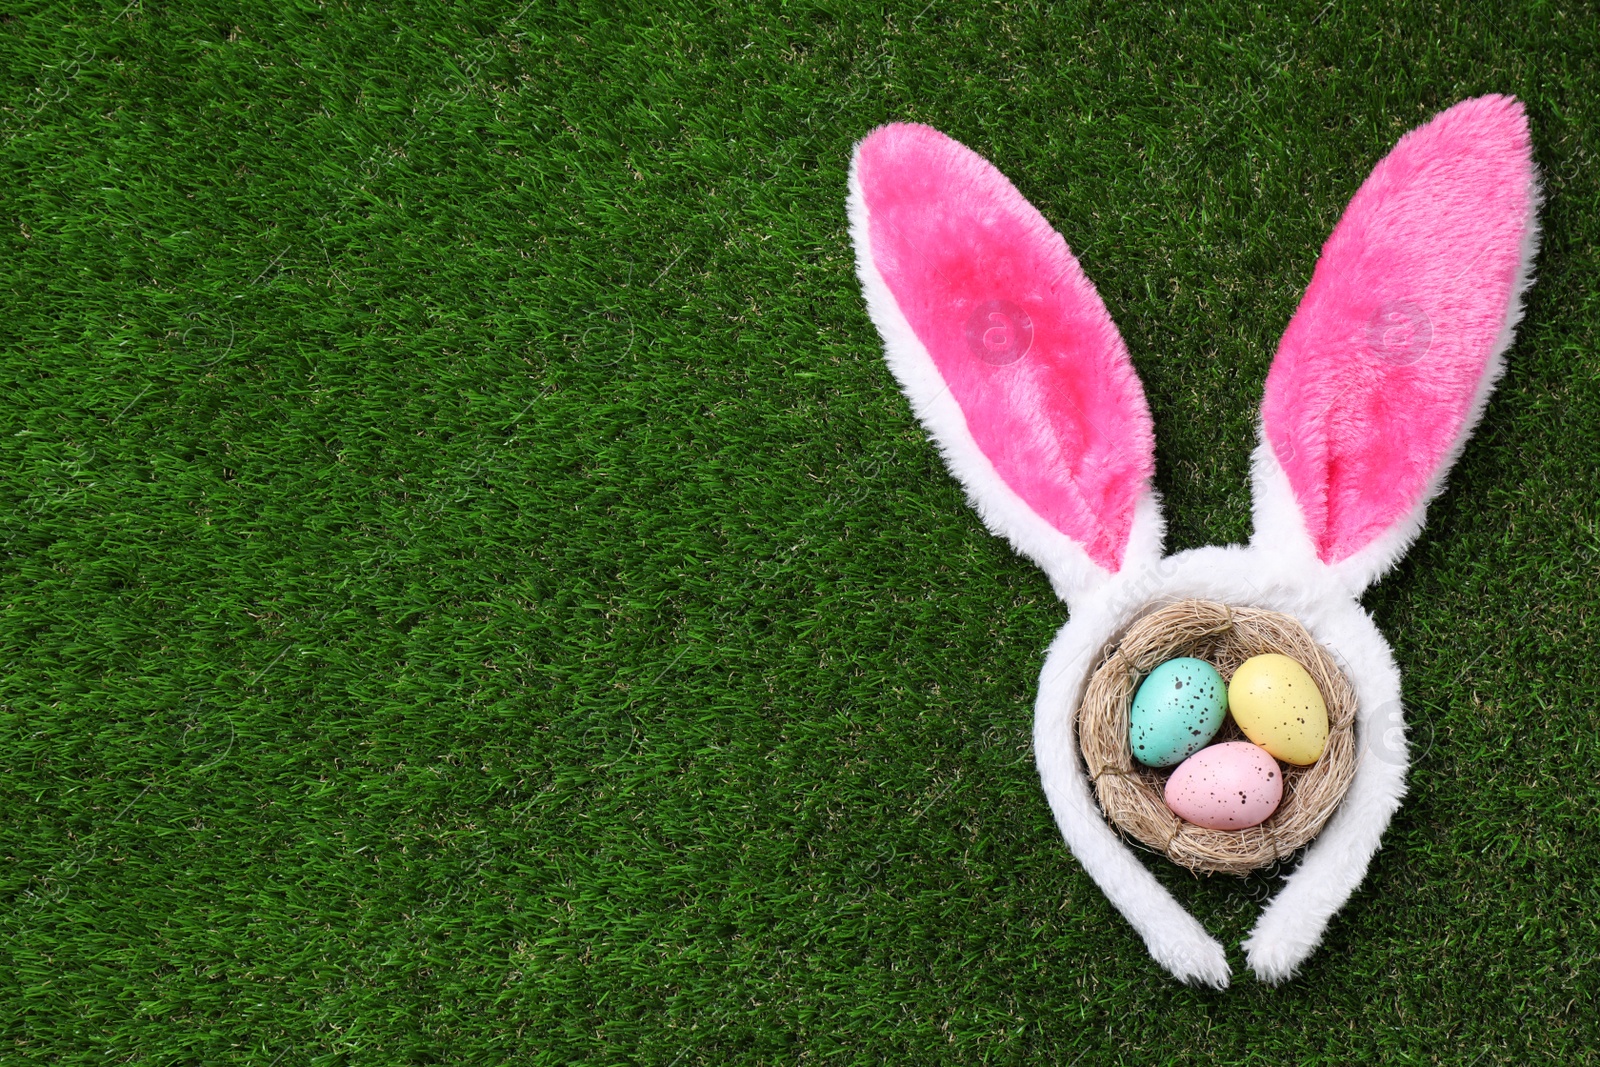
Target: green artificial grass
(472, 592)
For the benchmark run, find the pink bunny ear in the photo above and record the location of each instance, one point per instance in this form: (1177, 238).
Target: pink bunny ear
(1006, 352)
(1387, 364)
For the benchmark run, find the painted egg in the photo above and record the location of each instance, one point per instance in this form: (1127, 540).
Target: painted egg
(1279, 707)
(1178, 709)
(1230, 786)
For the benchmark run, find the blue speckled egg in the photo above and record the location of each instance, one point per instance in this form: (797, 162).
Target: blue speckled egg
(1178, 709)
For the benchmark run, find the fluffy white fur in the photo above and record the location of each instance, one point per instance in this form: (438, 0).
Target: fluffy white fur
(1292, 925)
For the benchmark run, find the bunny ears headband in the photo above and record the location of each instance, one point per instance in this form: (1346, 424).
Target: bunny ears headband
(1013, 365)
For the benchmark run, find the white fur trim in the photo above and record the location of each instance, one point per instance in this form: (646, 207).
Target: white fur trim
(1072, 573)
(1292, 926)
(1173, 937)
(1280, 526)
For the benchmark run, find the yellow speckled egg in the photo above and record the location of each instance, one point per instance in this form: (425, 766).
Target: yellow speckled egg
(1279, 707)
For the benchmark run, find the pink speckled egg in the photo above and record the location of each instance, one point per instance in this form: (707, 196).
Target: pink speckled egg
(1229, 786)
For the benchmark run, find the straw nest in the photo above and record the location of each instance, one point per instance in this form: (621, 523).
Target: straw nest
(1132, 795)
